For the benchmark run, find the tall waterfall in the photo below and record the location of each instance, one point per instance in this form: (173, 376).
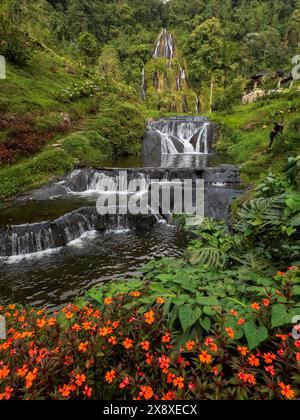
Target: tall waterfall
(165, 46)
(143, 86)
(183, 135)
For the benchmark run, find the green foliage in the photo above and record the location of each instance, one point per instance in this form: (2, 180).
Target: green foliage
(88, 46)
(122, 123)
(33, 173)
(89, 147)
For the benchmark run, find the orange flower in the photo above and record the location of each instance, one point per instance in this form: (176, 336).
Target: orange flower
(51, 322)
(266, 302)
(108, 301)
(65, 391)
(149, 359)
(255, 306)
(280, 274)
(270, 369)
(234, 313)
(110, 376)
(105, 331)
(41, 322)
(282, 337)
(145, 345)
(160, 300)
(241, 321)
(22, 371)
(205, 357)
(4, 372)
(149, 317)
(87, 391)
(298, 357)
(146, 392)
(7, 393)
(247, 378)
(179, 382)
(170, 377)
(164, 363)
(69, 315)
(169, 396)
(128, 343)
(190, 345)
(113, 340)
(166, 338)
(286, 391)
(80, 379)
(269, 358)
(135, 294)
(68, 360)
(253, 361)
(30, 377)
(243, 350)
(214, 347)
(76, 327)
(83, 347)
(230, 332)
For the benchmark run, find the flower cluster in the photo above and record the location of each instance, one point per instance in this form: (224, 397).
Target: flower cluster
(110, 351)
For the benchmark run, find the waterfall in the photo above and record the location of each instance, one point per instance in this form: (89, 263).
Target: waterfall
(38, 237)
(183, 135)
(165, 46)
(143, 87)
(21, 240)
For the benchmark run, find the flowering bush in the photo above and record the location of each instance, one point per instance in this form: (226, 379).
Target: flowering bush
(114, 349)
(78, 90)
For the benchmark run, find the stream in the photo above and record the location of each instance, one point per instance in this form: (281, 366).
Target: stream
(53, 244)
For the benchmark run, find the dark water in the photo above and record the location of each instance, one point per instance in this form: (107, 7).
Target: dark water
(56, 277)
(171, 161)
(53, 278)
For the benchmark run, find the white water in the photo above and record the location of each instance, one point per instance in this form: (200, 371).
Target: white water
(183, 137)
(165, 46)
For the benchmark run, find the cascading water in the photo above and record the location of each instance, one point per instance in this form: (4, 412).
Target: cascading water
(21, 240)
(143, 87)
(183, 135)
(165, 46)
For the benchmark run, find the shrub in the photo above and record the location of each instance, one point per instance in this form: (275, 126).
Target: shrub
(15, 45)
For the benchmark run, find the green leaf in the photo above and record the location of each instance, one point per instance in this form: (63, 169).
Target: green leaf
(207, 301)
(255, 335)
(296, 290)
(205, 323)
(181, 299)
(188, 315)
(279, 316)
(164, 277)
(96, 295)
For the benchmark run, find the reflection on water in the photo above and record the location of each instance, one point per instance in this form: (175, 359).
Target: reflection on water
(171, 161)
(55, 278)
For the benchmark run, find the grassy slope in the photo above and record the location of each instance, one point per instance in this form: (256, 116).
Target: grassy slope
(245, 135)
(32, 92)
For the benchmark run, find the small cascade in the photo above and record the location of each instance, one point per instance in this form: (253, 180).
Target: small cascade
(186, 135)
(144, 85)
(165, 46)
(105, 181)
(21, 240)
(38, 237)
